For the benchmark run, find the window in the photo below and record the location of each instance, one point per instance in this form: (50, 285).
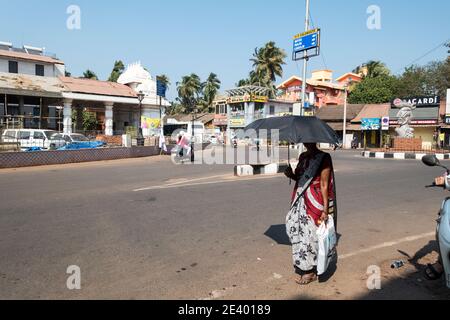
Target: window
(38, 135)
(24, 135)
(13, 67)
(40, 70)
(56, 136)
(290, 109)
(10, 134)
(272, 110)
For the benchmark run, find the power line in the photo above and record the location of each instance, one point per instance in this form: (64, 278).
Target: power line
(322, 55)
(424, 55)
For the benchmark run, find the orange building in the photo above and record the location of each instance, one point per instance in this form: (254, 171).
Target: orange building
(319, 88)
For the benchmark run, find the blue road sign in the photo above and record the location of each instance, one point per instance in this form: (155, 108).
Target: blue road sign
(306, 42)
(160, 88)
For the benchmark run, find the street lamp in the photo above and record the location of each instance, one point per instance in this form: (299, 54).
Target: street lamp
(140, 136)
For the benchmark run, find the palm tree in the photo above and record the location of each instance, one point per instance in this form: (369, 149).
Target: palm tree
(372, 69)
(210, 88)
(189, 91)
(268, 62)
(117, 70)
(88, 74)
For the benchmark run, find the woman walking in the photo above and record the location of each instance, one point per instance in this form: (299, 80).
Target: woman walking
(313, 200)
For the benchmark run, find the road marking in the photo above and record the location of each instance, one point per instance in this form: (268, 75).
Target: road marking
(197, 179)
(388, 244)
(188, 184)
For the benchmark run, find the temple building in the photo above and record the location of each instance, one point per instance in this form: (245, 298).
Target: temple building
(35, 93)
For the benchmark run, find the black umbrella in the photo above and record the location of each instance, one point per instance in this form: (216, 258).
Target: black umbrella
(293, 129)
(296, 129)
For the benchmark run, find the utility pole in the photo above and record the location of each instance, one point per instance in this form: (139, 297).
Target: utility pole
(305, 63)
(344, 135)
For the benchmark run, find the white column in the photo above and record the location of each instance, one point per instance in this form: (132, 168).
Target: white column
(228, 142)
(109, 119)
(251, 112)
(67, 121)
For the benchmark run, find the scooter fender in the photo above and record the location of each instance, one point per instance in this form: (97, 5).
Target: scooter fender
(444, 238)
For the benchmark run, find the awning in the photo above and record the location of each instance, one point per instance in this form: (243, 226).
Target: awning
(372, 111)
(421, 113)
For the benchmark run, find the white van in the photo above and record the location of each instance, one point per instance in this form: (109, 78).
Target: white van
(30, 138)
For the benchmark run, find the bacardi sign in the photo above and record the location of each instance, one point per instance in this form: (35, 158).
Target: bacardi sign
(419, 101)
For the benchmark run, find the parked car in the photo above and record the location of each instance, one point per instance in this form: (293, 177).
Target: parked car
(30, 138)
(68, 141)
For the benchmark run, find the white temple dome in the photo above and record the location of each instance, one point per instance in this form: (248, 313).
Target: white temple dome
(139, 79)
(134, 73)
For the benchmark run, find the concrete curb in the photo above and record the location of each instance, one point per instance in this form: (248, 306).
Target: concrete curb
(261, 169)
(402, 155)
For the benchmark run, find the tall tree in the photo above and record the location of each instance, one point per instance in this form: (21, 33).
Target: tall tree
(268, 62)
(88, 74)
(372, 69)
(381, 89)
(117, 70)
(189, 91)
(210, 88)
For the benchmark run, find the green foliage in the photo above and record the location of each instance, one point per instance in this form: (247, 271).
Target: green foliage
(268, 64)
(89, 120)
(210, 88)
(190, 92)
(378, 86)
(381, 89)
(117, 71)
(88, 74)
(372, 69)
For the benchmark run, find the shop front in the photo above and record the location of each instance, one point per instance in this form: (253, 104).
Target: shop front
(424, 120)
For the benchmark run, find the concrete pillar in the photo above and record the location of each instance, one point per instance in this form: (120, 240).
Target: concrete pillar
(228, 141)
(246, 113)
(44, 114)
(109, 119)
(79, 118)
(251, 112)
(67, 113)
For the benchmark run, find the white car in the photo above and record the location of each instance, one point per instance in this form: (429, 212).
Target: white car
(28, 138)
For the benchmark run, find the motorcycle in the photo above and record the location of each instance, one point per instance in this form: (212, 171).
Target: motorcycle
(180, 155)
(234, 143)
(443, 222)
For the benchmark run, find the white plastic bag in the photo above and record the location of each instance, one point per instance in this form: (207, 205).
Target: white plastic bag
(326, 234)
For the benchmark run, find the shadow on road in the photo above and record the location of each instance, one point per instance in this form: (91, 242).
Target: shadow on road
(407, 283)
(278, 234)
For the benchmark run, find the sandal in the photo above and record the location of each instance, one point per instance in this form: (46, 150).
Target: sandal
(431, 273)
(307, 279)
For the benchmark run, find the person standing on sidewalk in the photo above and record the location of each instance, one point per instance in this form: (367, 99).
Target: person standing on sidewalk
(313, 200)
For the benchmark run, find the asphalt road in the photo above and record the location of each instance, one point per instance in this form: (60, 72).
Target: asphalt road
(147, 229)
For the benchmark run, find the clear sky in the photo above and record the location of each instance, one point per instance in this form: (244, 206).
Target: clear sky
(178, 37)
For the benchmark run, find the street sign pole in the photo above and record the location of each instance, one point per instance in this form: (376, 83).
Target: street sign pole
(305, 63)
(344, 134)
